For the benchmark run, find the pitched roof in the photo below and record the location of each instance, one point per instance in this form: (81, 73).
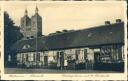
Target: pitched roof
(107, 34)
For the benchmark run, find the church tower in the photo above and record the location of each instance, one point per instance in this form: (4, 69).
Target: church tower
(36, 22)
(25, 24)
(31, 27)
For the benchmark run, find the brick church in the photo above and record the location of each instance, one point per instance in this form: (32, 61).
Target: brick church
(100, 47)
(31, 27)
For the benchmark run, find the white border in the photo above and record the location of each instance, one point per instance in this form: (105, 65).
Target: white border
(86, 76)
(0, 38)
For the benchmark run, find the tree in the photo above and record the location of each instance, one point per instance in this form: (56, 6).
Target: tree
(11, 34)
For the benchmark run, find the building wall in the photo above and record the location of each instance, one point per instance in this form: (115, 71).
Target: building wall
(106, 54)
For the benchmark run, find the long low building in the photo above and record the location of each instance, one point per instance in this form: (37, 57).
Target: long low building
(102, 44)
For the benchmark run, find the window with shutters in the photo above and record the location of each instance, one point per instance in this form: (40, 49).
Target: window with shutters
(18, 56)
(30, 57)
(111, 53)
(85, 54)
(41, 57)
(38, 57)
(77, 54)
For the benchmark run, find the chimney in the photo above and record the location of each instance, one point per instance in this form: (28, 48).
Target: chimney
(51, 34)
(107, 23)
(58, 32)
(65, 30)
(118, 20)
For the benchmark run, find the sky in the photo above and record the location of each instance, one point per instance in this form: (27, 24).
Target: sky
(57, 16)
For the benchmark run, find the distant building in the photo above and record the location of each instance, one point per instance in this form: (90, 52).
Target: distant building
(92, 48)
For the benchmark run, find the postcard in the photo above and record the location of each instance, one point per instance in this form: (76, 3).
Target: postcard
(64, 40)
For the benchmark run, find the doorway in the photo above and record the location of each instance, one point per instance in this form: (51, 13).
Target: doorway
(96, 60)
(60, 60)
(45, 60)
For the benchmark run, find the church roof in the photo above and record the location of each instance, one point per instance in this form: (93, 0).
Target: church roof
(26, 18)
(96, 36)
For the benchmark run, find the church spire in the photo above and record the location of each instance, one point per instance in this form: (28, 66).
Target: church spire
(36, 10)
(26, 12)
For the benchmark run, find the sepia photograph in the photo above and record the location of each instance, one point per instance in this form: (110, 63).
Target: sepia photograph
(0, 39)
(63, 0)
(62, 80)
(64, 38)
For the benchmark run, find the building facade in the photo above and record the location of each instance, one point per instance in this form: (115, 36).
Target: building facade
(99, 47)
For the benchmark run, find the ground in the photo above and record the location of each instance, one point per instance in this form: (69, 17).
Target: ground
(29, 71)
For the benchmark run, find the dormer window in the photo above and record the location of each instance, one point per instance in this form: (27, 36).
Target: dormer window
(110, 32)
(26, 46)
(90, 34)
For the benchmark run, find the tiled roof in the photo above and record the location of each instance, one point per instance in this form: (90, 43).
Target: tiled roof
(101, 35)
